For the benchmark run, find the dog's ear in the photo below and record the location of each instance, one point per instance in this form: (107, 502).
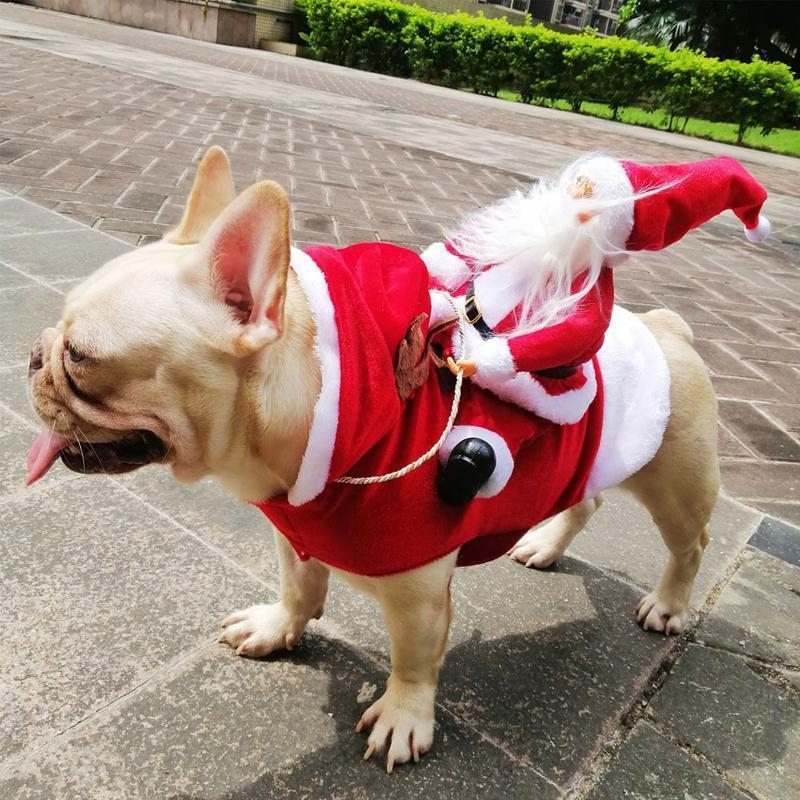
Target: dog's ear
(247, 251)
(212, 191)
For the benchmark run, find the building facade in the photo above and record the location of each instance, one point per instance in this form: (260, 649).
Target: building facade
(572, 16)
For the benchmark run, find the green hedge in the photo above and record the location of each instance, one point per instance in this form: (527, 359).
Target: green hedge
(487, 55)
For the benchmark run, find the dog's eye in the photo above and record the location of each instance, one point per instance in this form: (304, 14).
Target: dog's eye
(75, 356)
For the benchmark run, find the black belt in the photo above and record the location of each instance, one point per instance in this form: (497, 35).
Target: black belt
(474, 315)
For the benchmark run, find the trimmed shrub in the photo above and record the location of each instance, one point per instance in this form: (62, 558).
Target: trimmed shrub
(759, 94)
(688, 85)
(537, 63)
(486, 56)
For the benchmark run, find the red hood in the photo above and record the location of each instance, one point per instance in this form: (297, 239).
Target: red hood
(364, 298)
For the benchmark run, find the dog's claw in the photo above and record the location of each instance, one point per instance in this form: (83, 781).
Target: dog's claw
(261, 630)
(369, 751)
(232, 619)
(653, 614)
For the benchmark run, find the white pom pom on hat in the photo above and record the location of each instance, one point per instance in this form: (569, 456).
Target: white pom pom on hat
(760, 232)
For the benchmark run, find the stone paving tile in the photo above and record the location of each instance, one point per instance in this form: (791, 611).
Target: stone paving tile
(778, 539)
(132, 593)
(16, 437)
(792, 677)
(650, 767)
(207, 729)
(14, 393)
(756, 481)
(757, 614)
(758, 432)
(622, 539)
(18, 218)
(788, 510)
(25, 311)
(535, 660)
(232, 527)
(715, 704)
(66, 255)
(11, 278)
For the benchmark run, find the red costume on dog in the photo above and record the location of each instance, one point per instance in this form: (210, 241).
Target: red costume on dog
(365, 299)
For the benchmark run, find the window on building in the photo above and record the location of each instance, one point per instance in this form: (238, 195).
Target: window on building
(571, 15)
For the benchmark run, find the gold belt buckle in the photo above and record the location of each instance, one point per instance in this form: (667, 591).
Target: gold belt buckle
(471, 299)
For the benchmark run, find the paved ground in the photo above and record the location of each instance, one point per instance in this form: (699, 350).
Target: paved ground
(111, 684)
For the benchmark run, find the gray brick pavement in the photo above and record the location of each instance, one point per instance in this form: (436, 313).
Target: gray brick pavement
(543, 125)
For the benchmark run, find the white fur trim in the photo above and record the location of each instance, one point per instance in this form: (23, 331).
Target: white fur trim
(494, 360)
(441, 308)
(504, 460)
(499, 291)
(761, 230)
(316, 465)
(448, 269)
(609, 182)
(564, 409)
(636, 401)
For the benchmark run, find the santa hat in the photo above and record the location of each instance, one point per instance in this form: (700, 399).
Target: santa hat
(666, 201)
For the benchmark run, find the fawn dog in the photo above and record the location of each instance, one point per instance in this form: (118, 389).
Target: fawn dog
(198, 352)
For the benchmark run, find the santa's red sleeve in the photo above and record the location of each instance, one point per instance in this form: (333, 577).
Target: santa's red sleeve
(572, 341)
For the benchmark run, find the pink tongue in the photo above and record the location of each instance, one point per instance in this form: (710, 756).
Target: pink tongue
(43, 453)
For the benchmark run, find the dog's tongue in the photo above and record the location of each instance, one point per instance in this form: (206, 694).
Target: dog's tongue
(43, 453)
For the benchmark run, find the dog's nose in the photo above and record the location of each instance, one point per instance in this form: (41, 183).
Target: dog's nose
(37, 357)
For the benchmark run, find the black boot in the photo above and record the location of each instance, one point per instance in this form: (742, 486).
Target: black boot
(470, 465)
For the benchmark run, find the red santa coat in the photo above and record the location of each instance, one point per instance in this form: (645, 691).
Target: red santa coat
(511, 366)
(364, 299)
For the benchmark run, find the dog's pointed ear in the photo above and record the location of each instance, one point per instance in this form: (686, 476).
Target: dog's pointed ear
(212, 191)
(247, 251)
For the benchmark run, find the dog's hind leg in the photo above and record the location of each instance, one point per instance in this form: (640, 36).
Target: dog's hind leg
(260, 630)
(679, 487)
(416, 607)
(545, 545)
(682, 515)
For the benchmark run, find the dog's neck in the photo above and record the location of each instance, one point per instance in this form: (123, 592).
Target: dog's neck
(276, 401)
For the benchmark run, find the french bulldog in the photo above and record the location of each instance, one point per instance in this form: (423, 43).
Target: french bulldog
(198, 353)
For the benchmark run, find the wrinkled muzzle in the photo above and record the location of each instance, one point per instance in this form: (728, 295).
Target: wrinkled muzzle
(133, 449)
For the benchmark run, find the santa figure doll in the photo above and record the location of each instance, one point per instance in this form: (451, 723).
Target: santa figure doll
(533, 277)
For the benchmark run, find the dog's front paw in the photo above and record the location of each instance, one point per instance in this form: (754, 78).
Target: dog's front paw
(402, 719)
(539, 548)
(260, 630)
(655, 614)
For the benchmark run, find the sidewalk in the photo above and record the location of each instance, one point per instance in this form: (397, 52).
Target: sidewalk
(113, 685)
